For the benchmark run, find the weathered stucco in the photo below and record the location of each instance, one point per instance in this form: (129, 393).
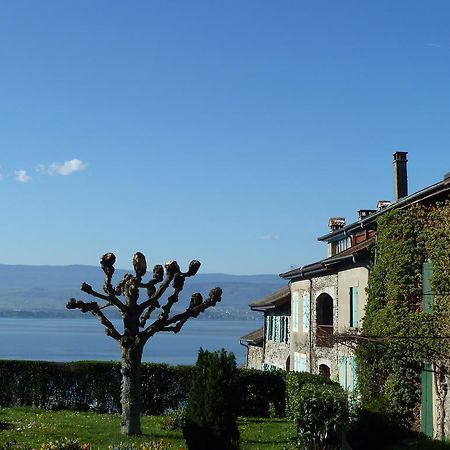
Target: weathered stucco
(337, 286)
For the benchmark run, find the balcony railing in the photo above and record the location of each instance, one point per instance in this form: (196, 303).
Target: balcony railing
(324, 336)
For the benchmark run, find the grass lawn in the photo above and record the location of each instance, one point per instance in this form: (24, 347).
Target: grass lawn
(31, 427)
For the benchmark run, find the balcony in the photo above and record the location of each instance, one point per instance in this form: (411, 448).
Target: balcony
(324, 336)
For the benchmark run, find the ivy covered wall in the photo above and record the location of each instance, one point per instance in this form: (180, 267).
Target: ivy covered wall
(398, 336)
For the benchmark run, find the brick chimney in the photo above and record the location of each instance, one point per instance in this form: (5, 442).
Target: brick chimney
(400, 175)
(334, 223)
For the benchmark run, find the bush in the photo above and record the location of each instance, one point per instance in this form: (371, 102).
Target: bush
(262, 394)
(211, 412)
(319, 409)
(295, 382)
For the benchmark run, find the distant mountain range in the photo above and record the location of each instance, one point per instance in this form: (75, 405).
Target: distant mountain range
(44, 290)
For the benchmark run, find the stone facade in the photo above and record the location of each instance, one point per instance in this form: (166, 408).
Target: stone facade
(254, 357)
(323, 308)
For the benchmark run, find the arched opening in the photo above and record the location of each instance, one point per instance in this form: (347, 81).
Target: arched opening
(324, 320)
(324, 370)
(288, 364)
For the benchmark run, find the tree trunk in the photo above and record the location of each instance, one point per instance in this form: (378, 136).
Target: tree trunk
(131, 390)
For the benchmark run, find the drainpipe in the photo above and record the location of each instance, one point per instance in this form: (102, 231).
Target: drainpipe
(310, 326)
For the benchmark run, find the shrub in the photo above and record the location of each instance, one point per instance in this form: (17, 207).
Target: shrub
(211, 412)
(319, 409)
(174, 419)
(295, 381)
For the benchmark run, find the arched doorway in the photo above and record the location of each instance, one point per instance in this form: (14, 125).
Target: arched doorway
(324, 320)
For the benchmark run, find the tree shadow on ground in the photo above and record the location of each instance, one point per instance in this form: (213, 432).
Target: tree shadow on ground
(6, 426)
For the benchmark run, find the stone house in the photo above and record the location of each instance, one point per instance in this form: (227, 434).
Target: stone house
(268, 347)
(328, 297)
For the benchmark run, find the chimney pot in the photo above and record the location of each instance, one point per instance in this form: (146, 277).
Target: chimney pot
(383, 204)
(336, 222)
(363, 213)
(400, 175)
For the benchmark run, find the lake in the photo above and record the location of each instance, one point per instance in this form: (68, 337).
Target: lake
(84, 339)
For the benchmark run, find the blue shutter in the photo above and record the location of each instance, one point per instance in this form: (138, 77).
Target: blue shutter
(306, 311)
(352, 373)
(354, 306)
(343, 372)
(295, 311)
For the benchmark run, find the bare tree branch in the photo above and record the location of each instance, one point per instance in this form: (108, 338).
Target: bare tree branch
(94, 308)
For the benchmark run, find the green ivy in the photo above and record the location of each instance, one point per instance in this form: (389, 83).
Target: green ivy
(403, 336)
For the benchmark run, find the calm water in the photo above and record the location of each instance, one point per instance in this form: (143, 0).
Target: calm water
(84, 339)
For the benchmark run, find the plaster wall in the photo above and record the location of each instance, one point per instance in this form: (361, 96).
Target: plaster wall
(356, 277)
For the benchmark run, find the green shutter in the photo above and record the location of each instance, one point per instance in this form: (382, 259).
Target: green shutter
(426, 416)
(428, 297)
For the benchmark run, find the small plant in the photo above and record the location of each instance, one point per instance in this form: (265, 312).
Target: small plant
(272, 410)
(174, 419)
(153, 445)
(64, 444)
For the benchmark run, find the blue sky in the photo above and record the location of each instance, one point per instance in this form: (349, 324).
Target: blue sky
(225, 131)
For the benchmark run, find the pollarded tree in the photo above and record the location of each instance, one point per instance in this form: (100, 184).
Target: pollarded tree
(136, 331)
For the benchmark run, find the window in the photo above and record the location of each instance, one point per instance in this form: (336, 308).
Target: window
(324, 371)
(295, 302)
(341, 245)
(324, 320)
(299, 362)
(354, 307)
(277, 328)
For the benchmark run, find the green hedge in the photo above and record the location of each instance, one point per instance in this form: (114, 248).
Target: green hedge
(260, 390)
(88, 385)
(95, 385)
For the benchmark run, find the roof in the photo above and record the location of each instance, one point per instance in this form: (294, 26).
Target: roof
(254, 338)
(331, 263)
(274, 300)
(442, 188)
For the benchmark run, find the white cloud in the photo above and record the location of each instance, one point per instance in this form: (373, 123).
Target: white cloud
(65, 168)
(269, 237)
(22, 176)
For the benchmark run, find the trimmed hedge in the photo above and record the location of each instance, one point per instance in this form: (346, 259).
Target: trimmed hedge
(88, 385)
(95, 385)
(259, 390)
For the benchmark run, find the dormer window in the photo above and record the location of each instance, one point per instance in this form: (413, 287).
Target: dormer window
(340, 245)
